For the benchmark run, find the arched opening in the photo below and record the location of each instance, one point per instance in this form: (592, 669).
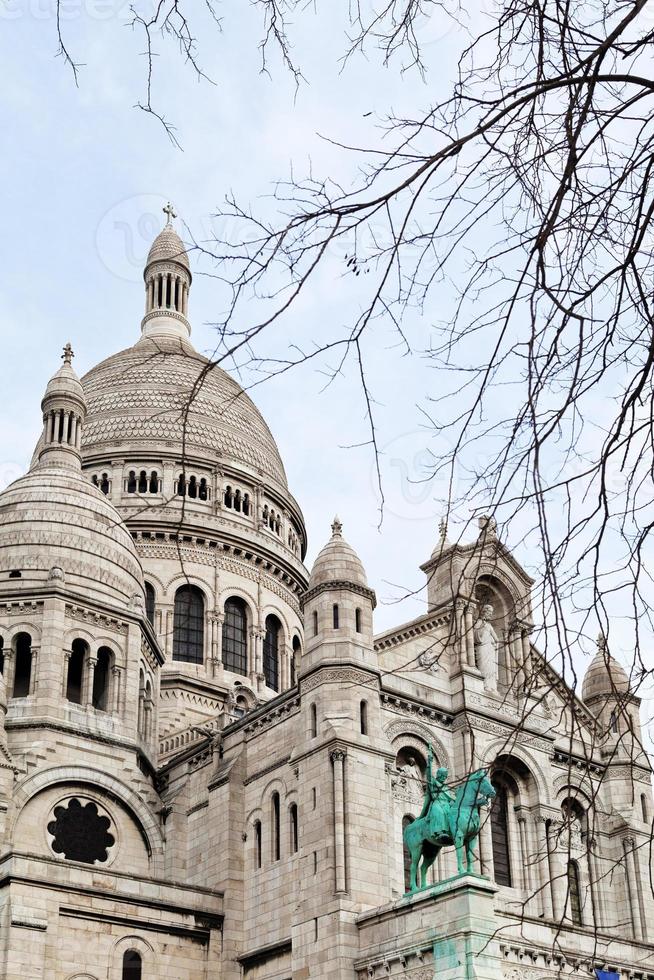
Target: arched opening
(363, 717)
(613, 723)
(295, 659)
(490, 591)
(293, 827)
(335, 615)
(276, 835)
(105, 486)
(193, 487)
(500, 835)
(257, 843)
(149, 602)
(237, 501)
(314, 721)
(131, 482)
(23, 669)
(143, 482)
(203, 492)
(411, 763)
(406, 821)
(75, 673)
(574, 893)
(227, 499)
(181, 485)
(643, 807)
(2, 655)
(154, 482)
(132, 965)
(235, 636)
(357, 620)
(271, 652)
(102, 679)
(188, 625)
(315, 622)
(246, 505)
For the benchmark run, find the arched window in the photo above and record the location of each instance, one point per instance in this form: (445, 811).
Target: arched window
(613, 723)
(143, 482)
(237, 501)
(574, 893)
(132, 965)
(105, 486)
(23, 669)
(246, 505)
(500, 836)
(257, 843)
(131, 482)
(276, 835)
(102, 679)
(314, 721)
(295, 659)
(154, 482)
(181, 485)
(203, 492)
(292, 812)
(357, 620)
(271, 652)
(315, 622)
(335, 615)
(363, 717)
(193, 487)
(228, 499)
(643, 807)
(188, 625)
(406, 820)
(235, 636)
(75, 674)
(149, 602)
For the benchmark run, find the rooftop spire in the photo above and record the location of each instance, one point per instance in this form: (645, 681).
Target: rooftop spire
(68, 354)
(167, 283)
(170, 212)
(337, 528)
(64, 411)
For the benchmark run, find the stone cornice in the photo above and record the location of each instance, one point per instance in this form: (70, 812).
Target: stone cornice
(416, 709)
(337, 585)
(407, 631)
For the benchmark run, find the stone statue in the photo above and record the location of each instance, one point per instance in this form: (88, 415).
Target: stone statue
(446, 820)
(486, 647)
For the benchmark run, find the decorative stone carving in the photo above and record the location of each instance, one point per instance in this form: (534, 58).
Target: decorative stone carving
(486, 647)
(80, 832)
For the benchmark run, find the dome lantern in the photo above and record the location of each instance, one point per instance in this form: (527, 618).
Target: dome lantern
(605, 677)
(167, 276)
(64, 412)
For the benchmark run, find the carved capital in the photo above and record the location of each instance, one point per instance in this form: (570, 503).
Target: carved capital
(338, 755)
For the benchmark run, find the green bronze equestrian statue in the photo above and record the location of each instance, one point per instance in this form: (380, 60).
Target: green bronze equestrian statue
(446, 820)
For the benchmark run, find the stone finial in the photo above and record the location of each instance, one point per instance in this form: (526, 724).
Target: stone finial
(170, 213)
(442, 529)
(56, 574)
(337, 528)
(68, 354)
(602, 646)
(487, 526)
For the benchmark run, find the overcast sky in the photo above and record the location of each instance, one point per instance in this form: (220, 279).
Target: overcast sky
(85, 177)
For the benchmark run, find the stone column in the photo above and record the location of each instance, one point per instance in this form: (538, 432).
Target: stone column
(634, 888)
(595, 879)
(168, 634)
(9, 671)
(89, 674)
(116, 689)
(469, 623)
(543, 867)
(218, 640)
(515, 644)
(525, 853)
(64, 681)
(338, 761)
(558, 873)
(34, 681)
(486, 846)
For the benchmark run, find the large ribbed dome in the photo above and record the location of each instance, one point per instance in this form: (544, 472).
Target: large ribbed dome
(168, 247)
(163, 393)
(53, 518)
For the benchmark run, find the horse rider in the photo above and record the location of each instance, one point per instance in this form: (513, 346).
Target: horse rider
(437, 797)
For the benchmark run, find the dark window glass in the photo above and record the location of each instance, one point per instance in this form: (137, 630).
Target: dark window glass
(315, 623)
(149, 602)
(131, 482)
(257, 843)
(407, 854)
(75, 674)
(574, 892)
(314, 721)
(271, 652)
(228, 497)
(294, 828)
(295, 659)
(202, 492)
(193, 487)
(363, 717)
(357, 620)
(2, 656)
(143, 482)
(104, 484)
(500, 837)
(80, 832)
(235, 636)
(188, 625)
(276, 841)
(101, 678)
(643, 803)
(132, 965)
(335, 616)
(181, 485)
(23, 671)
(154, 482)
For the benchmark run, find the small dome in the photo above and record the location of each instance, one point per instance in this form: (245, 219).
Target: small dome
(65, 383)
(168, 247)
(337, 562)
(53, 516)
(605, 677)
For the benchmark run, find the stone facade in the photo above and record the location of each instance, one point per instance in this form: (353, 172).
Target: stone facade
(206, 755)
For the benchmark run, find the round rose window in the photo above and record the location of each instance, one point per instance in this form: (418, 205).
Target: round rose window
(80, 832)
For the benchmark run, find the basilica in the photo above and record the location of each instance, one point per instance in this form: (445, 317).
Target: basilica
(208, 757)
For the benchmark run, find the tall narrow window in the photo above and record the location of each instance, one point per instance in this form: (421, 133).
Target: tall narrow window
(75, 674)
(101, 679)
(643, 807)
(131, 482)
(228, 499)
(574, 892)
(500, 837)
(363, 717)
(23, 670)
(143, 482)
(314, 721)
(357, 620)
(141, 708)
(257, 843)
(293, 827)
(406, 821)
(335, 615)
(235, 636)
(149, 602)
(132, 965)
(188, 625)
(271, 652)
(613, 722)
(315, 622)
(181, 485)
(276, 836)
(104, 484)
(193, 487)
(2, 655)
(154, 482)
(202, 490)
(295, 659)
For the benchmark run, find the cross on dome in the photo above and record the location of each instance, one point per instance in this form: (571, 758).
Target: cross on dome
(337, 528)
(68, 354)
(170, 212)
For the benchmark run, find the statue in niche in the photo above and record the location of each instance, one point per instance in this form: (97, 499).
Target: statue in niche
(487, 647)
(411, 769)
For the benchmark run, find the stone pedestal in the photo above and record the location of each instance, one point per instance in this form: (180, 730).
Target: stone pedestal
(448, 931)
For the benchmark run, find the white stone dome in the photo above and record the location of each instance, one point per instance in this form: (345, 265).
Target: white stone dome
(604, 678)
(139, 399)
(53, 516)
(337, 562)
(168, 247)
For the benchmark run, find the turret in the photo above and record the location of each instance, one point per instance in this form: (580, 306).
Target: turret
(167, 276)
(607, 692)
(64, 412)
